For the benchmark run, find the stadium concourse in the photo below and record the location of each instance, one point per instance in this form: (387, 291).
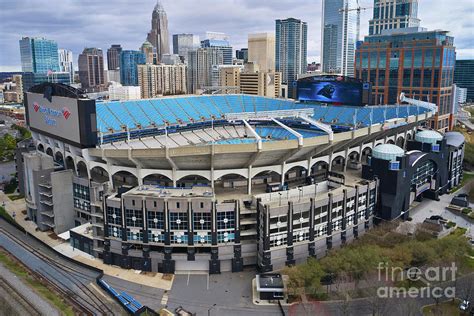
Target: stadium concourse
(211, 182)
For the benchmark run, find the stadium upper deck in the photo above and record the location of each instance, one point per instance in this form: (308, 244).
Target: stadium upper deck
(116, 117)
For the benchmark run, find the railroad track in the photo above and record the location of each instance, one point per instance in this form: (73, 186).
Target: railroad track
(68, 281)
(20, 298)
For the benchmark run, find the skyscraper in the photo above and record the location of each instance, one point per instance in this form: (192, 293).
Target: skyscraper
(200, 62)
(113, 57)
(91, 70)
(129, 61)
(39, 55)
(291, 49)
(221, 42)
(338, 39)
(65, 62)
(159, 36)
(262, 50)
(464, 76)
(415, 61)
(393, 14)
(183, 43)
(242, 54)
(40, 62)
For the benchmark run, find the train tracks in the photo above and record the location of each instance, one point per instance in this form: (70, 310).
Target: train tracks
(19, 298)
(72, 283)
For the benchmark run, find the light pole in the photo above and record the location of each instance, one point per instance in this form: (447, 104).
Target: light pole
(209, 310)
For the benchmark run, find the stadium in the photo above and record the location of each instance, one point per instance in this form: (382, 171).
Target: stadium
(214, 182)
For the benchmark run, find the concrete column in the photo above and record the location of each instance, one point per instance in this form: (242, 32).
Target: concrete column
(346, 159)
(139, 176)
(212, 179)
(330, 161)
(249, 187)
(282, 178)
(174, 177)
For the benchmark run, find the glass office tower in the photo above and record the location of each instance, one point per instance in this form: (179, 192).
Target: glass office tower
(464, 77)
(129, 61)
(339, 36)
(39, 55)
(291, 44)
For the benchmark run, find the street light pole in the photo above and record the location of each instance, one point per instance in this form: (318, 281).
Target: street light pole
(209, 310)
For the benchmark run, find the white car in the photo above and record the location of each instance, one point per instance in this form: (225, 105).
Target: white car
(464, 305)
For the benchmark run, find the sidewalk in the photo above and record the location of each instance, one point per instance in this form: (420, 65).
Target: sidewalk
(149, 279)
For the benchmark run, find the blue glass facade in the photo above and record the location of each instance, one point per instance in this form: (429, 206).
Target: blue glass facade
(223, 46)
(339, 37)
(464, 76)
(129, 59)
(291, 40)
(39, 55)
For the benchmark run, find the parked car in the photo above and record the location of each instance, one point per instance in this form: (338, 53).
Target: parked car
(464, 306)
(182, 312)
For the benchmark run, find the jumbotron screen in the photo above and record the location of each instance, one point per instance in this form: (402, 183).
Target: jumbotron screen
(333, 90)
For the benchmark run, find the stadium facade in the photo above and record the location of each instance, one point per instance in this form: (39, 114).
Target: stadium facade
(218, 182)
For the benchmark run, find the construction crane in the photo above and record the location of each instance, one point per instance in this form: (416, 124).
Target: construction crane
(358, 9)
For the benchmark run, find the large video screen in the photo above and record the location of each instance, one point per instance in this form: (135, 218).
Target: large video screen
(334, 92)
(67, 119)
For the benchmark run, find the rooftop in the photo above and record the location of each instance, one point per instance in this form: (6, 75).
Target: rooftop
(157, 191)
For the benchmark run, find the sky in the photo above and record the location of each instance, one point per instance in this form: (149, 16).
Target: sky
(76, 24)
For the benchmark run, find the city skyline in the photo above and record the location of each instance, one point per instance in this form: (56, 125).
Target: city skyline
(127, 24)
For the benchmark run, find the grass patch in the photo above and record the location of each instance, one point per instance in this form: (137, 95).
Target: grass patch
(15, 197)
(446, 308)
(20, 271)
(5, 215)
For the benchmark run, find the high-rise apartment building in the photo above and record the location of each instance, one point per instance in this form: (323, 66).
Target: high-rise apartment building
(159, 80)
(200, 62)
(91, 70)
(261, 50)
(338, 36)
(18, 80)
(129, 61)
(183, 43)
(291, 41)
(464, 76)
(147, 50)
(39, 55)
(415, 61)
(159, 35)
(393, 14)
(221, 42)
(113, 57)
(66, 63)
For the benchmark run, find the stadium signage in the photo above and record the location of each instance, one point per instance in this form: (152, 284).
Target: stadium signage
(51, 115)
